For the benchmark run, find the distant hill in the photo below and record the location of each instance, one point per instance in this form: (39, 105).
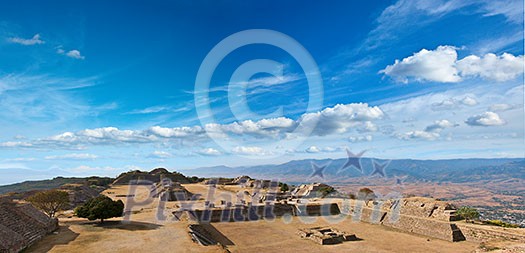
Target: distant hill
(124, 178)
(154, 176)
(54, 183)
(453, 170)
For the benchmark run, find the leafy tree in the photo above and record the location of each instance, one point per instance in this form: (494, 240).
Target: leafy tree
(50, 201)
(284, 187)
(468, 213)
(101, 207)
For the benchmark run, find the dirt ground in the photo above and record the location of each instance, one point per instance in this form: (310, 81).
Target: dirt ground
(144, 232)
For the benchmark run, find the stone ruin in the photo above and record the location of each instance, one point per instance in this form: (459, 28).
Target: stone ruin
(21, 225)
(313, 190)
(326, 235)
(168, 190)
(423, 216)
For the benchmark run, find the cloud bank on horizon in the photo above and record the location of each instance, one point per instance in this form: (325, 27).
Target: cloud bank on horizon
(423, 79)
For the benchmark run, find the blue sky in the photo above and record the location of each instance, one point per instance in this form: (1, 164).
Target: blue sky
(101, 87)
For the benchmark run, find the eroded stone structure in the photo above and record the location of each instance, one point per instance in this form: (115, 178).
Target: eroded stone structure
(326, 235)
(21, 225)
(421, 216)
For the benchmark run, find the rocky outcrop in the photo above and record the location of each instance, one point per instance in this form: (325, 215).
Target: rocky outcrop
(21, 225)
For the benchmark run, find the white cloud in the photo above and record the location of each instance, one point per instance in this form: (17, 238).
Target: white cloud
(316, 149)
(75, 54)
(176, 132)
(419, 135)
(454, 103)
(72, 157)
(313, 149)
(442, 65)
(440, 125)
(341, 118)
(360, 138)
(469, 101)
(21, 159)
(27, 42)
(491, 67)
(249, 150)
(332, 120)
(107, 170)
(500, 107)
(485, 119)
(209, 152)
(12, 144)
(426, 65)
(160, 154)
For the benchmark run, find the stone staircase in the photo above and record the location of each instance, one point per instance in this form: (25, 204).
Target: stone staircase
(22, 225)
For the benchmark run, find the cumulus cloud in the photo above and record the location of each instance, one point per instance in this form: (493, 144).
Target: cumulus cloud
(485, 119)
(160, 154)
(331, 120)
(253, 150)
(431, 132)
(209, 152)
(419, 135)
(442, 65)
(75, 54)
(469, 101)
(491, 67)
(72, 53)
(341, 118)
(313, 149)
(72, 157)
(426, 65)
(316, 149)
(35, 40)
(440, 125)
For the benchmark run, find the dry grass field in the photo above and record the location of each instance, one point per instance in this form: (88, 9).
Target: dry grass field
(145, 233)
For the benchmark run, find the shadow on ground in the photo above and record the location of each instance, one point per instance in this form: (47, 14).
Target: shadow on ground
(62, 236)
(129, 225)
(217, 235)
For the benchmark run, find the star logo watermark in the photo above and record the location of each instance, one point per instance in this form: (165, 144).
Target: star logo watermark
(353, 160)
(379, 168)
(400, 181)
(318, 170)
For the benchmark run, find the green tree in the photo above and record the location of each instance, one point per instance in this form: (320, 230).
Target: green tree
(50, 201)
(468, 213)
(101, 207)
(284, 187)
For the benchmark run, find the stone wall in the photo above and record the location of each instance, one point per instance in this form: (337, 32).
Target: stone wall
(417, 215)
(257, 212)
(22, 225)
(480, 234)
